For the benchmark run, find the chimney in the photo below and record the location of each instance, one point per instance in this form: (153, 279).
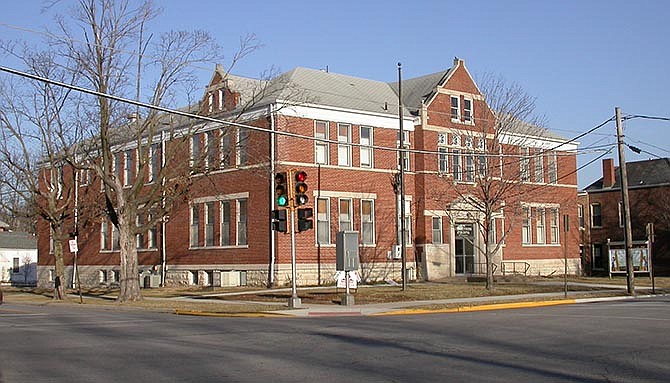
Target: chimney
(608, 173)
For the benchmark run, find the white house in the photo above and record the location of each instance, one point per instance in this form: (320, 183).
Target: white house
(18, 258)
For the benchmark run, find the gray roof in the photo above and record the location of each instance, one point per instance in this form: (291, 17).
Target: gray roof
(336, 90)
(415, 90)
(640, 174)
(17, 240)
(311, 86)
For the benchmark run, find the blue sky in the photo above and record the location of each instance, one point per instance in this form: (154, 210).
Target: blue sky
(580, 59)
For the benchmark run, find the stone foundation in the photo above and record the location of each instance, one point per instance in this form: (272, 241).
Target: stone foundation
(223, 275)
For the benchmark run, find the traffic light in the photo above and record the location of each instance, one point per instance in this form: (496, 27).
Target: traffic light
(305, 219)
(279, 220)
(281, 189)
(300, 188)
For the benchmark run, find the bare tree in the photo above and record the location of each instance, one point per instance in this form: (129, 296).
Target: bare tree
(492, 163)
(35, 139)
(115, 55)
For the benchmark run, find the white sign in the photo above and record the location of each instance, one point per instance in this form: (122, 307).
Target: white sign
(73, 246)
(341, 278)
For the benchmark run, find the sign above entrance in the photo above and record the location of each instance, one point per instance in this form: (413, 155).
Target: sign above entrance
(464, 229)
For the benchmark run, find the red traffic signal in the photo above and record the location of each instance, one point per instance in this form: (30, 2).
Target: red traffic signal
(301, 188)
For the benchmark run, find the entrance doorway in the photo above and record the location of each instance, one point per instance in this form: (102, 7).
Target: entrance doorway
(465, 248)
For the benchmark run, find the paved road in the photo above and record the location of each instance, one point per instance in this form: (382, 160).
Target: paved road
(623, 341)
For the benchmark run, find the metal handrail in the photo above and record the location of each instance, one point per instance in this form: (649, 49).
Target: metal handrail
(479, 266)
(526, 267)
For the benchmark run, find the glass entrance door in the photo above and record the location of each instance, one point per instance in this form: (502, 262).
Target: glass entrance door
(465, 248)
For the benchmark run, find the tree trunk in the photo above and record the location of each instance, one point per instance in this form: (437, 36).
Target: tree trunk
(489, 266)
(130, 282)
(59, 277)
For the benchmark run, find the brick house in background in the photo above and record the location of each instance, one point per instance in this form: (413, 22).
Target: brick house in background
(601, 218)
(221, 233)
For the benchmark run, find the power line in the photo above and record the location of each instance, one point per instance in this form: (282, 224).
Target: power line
(630, 117)
(246, 126)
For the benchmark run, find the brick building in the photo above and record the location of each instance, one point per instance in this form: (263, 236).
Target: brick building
(343, 131)
(601, 217)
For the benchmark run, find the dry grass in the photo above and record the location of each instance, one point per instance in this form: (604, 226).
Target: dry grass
(249, 299)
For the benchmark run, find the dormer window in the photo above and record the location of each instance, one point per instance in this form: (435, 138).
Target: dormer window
(210, 102)
(467, 110)
(455, 108)
(221, 99)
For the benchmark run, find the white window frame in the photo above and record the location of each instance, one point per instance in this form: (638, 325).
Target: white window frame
(241, 152)
(436, 231)
(620, 213)
(552, 168)
(225, 148)
(321, 146)
(116, 238)
(127, 166)
(408, 222)
(442, 160)
(221, 95)
(105, 244)
(458, 116)
(154, 161)
(524, 164)
(224, 230)
(580, 216)
(468, 113)
(210, 221)
(457, 167)
(342, 223)
(139, 237)
(366, 147)
(526, 232)
(469, 173)
(344, 145)
(554, 227)
(194, 226)
(210, 102)
(324, 219)
(538, 166)
(242, 225)
(368, 223)
(210, 149)
(540, 226)
(195, 148)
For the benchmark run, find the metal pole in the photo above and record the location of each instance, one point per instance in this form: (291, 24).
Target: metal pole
(566, 226)
(401, 161)
(294, 301)
(623, 175)
(273, 235)
(76, 233)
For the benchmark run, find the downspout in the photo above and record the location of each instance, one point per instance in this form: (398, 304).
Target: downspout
(273, 237)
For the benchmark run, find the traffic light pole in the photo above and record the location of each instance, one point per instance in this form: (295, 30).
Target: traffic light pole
(294, 301)
(290, 194)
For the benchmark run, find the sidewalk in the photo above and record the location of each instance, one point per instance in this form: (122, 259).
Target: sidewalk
(459, 304)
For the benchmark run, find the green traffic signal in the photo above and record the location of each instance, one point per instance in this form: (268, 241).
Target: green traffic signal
(281, 189)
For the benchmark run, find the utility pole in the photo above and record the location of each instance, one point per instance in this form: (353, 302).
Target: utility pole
(401, 177)
(623, 176)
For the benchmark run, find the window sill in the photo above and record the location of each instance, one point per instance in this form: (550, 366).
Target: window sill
(541, 245)
(218, 247)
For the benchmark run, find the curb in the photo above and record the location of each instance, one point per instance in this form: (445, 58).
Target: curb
(238, 315)
(494, 306)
